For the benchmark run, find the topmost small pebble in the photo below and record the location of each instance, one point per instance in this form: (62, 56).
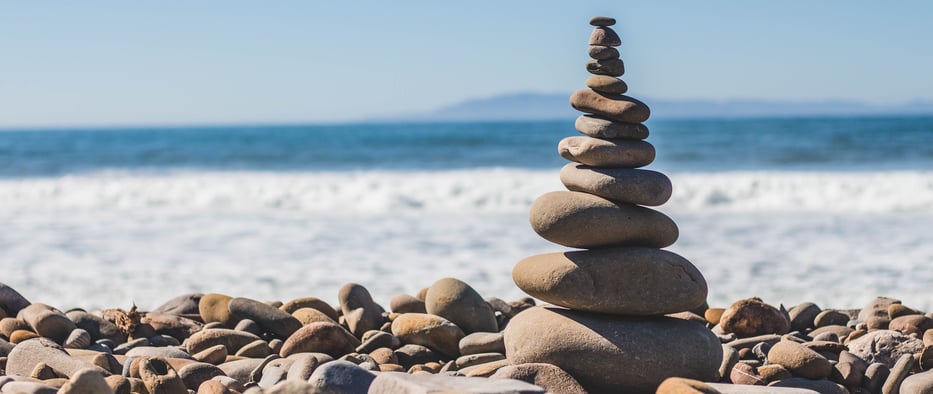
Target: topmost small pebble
(602, 21)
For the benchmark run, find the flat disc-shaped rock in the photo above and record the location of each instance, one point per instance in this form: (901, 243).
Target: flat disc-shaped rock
(614, 354)
(620, 281)
(605, 36)
(606, 84)
(599, 127)
(602, 21)
(320, 337)
(610, 67)
(598, 152)
(581, 220)
(600, 52)
(623, 185)
(612, 106)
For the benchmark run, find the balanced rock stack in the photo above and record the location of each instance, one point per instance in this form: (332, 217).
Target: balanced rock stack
(608, 329)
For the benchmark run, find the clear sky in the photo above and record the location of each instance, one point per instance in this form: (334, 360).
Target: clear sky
(179, 62)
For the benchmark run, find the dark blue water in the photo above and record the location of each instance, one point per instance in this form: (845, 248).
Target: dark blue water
(703, 145)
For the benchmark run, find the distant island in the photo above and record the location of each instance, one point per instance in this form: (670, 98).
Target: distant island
(545, 106)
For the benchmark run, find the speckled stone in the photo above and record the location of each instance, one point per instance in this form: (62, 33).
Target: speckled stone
(605, 36)
(600, 127)
(620, 185)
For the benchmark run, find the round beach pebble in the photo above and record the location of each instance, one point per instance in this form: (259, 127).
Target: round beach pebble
(621, 185)
(310, 302)
(47, 321)
(599, 127)
(456, 301)
(616, 107)
(752, 317)
(360, 311)
(911, 324)
(621, 281)
(600, 52)
(231, 339)
(434, 332)
(406, 303)
(310, 315)
(602, 21)
(605, 36)
(547, 376)
(273, 320)
(608, 67)
(919, 383)
(320, 337)
(799, 360)
(581, 220)
(482, 342)
(213, 307)
(615, 354)
(830, 317)
(606, 84)
(598, 152)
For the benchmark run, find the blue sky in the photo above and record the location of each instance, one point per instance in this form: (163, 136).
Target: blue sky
(181, 62)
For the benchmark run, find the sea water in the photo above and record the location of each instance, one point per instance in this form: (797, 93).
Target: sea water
(830, 210)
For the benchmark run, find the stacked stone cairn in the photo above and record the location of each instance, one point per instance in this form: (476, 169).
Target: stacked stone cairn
(608, 329)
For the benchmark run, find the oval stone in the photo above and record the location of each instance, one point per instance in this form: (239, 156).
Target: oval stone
(616, 107)
(456, 301)
(600, 52)
(598, 152)
(581, 220)
(606, 84)
(47, 321)
(320, 337)
(610, 67)
(231, 339)
(428, 330)
(310, 302)
(605, 36)
(614, 354)
(213, 308)
(602, 21)
(360, 311)
(799, 360)
(751, 317)
(273, 320)
(621, 185)
(621, 281)
(599, 127)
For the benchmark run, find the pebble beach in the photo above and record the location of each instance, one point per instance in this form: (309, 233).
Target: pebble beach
(668, 279)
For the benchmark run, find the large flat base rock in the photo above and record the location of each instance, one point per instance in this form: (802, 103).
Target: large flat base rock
(614, 354)
(403, 383)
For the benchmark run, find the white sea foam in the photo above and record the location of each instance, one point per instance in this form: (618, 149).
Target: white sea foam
(482, 190)
(101, 240)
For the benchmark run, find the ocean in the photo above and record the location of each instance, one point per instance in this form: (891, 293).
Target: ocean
(831, 210)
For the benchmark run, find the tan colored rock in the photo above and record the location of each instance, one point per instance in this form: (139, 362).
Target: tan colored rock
(615, 280)
(685, 386)
(581, 220)
(47, 321)
(310, 315)
(213, 307)
(615, 107)
(231, 339)
(360, 311)
(213, 355)
(428, 330)
(24, 358)
(456, 301)
(920, 383)
(159, 377)
(600, 127)
(310, 302)
(752, 317)
(405, 303)
(272, 320)
(800, 360)
(606, 84)
(911, 324)
(546, 376)
(598, 152)
(620, 185)
(616, 354)
(320, 337)
(401, 383)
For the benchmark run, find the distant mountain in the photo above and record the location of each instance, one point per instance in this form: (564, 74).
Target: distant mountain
(544, 106)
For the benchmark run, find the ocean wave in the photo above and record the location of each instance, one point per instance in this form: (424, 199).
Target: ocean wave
(477, 190)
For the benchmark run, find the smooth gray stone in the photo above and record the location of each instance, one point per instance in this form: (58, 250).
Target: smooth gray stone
(402, 383)
(621, 185)
(341, 377)
(599, 127)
